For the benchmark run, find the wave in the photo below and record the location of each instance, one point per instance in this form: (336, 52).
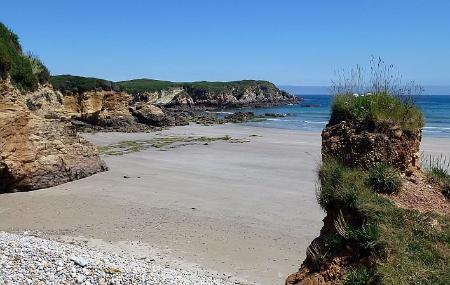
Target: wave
(436, 128)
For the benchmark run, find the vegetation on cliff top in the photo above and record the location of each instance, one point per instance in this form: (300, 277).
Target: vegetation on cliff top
(69, 83)
(383, 101)
(26, 71)
(404, 246)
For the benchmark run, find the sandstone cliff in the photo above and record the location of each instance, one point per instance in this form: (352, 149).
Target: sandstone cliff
(38, 153)
(39, 147)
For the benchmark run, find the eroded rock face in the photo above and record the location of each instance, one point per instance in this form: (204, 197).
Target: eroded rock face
(37, 153)
(358, 145)
(103, 108)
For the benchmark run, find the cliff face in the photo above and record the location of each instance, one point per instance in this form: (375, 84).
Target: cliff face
(38, 153)
(39, 147)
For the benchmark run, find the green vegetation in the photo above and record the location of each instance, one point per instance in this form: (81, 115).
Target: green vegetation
(359, 276)
(406, 246)
(381, 110)
(26, 71)
(223, 86)
(437, 169)
(382, 100)
(69, 83)
(162, 143)
(144, 85)
(384, 179)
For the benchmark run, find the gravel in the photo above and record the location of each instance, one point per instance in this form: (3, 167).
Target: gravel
(26, 259)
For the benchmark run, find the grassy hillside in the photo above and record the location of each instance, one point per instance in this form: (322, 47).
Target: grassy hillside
(69, 83)
(404, 246)
(26, 71)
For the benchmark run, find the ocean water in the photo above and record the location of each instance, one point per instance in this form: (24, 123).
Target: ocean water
(313, 114)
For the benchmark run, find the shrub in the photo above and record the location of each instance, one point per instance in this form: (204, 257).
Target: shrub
(22, 74)
(359, 276)
(39, 70)
(384, 179)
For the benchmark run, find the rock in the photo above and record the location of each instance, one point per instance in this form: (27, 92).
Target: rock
(150, 115)
(356, 144)
(108, 109)
(239, 117)
(37, 153)
(78, 260)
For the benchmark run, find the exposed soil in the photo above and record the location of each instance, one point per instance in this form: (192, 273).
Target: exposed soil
(419, 194)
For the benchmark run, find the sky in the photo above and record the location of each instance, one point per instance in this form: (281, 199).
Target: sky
(288, 42)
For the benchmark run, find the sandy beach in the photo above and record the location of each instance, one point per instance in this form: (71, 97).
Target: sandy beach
(244, 207)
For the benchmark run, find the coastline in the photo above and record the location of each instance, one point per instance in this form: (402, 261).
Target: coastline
(245, 208)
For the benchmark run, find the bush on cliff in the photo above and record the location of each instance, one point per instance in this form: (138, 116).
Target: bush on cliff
(381, 102)
(26, 71)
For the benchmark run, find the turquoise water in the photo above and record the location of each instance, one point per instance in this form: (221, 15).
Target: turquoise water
(314, 112)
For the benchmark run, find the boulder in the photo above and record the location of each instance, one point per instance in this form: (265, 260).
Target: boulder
(37, 153)
(150, 115)
(239, 117)
(359, 145)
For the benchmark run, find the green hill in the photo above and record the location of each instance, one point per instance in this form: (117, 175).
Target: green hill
(70, 83)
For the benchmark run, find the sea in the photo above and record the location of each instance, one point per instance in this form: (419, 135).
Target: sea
(314, 111)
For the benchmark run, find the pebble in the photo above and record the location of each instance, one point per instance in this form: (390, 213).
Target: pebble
(30, 260)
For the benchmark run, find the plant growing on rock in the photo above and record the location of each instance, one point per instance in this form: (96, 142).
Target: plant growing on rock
(360, 276)
(380, 102)
(384, 179)
(437, 169)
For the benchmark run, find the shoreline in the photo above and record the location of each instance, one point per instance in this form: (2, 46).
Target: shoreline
(246, 208)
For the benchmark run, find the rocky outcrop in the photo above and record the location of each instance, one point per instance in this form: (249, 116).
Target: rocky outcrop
(37, 153)
(104, 108)
(258, 94)
(359, 145)
(151, 115)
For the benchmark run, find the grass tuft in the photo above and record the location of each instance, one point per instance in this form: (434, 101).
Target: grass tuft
(380, 110)
(384, 179)
(360, 276)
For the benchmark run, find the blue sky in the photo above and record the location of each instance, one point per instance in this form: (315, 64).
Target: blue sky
(286, 42)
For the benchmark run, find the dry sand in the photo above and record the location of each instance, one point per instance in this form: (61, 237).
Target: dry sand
(247, 210)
